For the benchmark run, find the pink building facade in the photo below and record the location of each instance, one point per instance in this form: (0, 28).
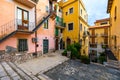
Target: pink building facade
(27, 25)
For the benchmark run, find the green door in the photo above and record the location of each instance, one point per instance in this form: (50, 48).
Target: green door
(45, 46)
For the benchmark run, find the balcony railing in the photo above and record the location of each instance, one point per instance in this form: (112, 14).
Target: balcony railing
(7, 28)
(104, 35)
(59, 22)
(93, 45)
(93, 35)
(15, 25)
(24, 25)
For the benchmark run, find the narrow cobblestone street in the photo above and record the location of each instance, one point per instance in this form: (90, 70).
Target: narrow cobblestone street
(74, 70)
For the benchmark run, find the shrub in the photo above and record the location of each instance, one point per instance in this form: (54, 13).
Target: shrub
(70, 47)
(102, 59)
(77, 46)
(102, 54)
(64, 53)
(74, 52)
(85, 59)
(75, 49)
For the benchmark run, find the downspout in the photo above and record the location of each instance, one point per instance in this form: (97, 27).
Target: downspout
(79, 20)
(36, 32)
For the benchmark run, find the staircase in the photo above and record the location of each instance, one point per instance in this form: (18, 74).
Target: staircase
(10, 28)
(9, 71)
(113, 64)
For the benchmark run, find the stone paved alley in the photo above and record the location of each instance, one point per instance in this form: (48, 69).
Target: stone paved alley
(53, 66)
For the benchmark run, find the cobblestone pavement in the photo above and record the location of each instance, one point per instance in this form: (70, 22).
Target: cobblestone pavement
(74, 70)
(31, 70)
(43, 63)
(9, 71)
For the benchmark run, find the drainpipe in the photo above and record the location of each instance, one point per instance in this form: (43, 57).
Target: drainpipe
(79, 21)
(35, 33)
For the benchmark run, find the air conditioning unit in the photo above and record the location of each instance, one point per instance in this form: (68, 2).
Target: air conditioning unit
(34, 40)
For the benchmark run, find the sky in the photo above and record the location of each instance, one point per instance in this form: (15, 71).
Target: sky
(96, 9)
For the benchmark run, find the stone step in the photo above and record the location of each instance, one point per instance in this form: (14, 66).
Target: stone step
(20, 72)
(2, 72)
(114, 63)
(44, 77)
(113, 66)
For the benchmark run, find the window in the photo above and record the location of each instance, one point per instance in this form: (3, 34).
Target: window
(22, 45)
(84, 29)
(61, 31)
(81, 11)
(103, 23)
(66, 13)
(47, 9)
(46, 24)
(80, 41)
(22, 17)
(64, 24)
(115, 16)
(80, 27)
(70, 10)
(60, 10)
(70, 26)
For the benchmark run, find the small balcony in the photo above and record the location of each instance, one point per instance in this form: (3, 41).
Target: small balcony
(16, 25)
(29, 3)
(59, 23)
(93, 45)
(24, 25)
(104, 35)
(93, 35)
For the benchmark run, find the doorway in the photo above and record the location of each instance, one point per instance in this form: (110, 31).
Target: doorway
(22, 19)
(45, 46)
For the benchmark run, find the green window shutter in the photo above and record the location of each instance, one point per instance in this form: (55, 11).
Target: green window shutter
(56, 31)
(22, 45)
(46, 24)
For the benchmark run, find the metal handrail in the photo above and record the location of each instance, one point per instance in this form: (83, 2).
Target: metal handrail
(12, 26)
(7, 28)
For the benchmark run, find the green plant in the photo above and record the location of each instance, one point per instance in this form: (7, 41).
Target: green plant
(69, 47)
(65, 52)
(85, 59)
(102, 54)
(77, 46)
(74, 52)
(102, 59)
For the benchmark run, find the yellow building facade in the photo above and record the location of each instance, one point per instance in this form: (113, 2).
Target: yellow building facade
(114, 8)
(75, 19)
(99, 38)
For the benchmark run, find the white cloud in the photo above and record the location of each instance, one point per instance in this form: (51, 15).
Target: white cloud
(96, 10)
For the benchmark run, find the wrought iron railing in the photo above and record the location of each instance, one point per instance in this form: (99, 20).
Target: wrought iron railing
(93, 45)
(14, 25)
(7, 28)
(25, 25)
